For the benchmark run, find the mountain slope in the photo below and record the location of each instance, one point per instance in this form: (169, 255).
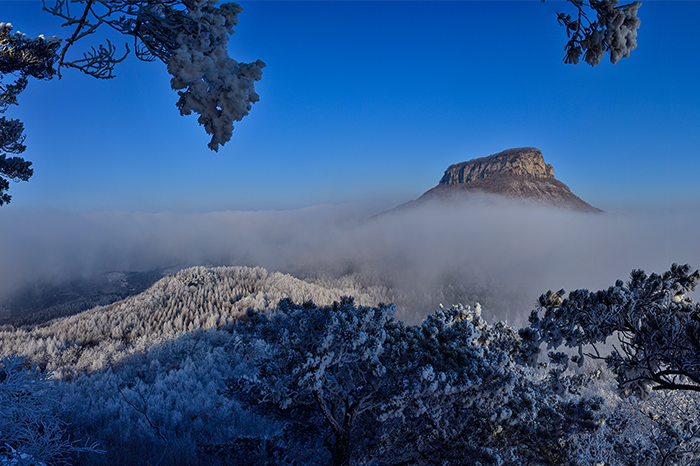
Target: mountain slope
(519, 174)
(194, 298)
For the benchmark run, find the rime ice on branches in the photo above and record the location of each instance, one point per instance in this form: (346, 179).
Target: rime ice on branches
(190, 37)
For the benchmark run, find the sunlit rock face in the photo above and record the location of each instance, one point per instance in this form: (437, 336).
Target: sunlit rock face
(525, 161)
(515, 173)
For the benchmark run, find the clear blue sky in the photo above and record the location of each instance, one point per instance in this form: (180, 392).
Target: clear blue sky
(369, 101)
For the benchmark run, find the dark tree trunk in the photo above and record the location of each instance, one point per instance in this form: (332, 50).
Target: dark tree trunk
(341, 451)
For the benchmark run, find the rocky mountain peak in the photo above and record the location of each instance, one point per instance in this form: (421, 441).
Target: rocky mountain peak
(525, 161)
(520, 174)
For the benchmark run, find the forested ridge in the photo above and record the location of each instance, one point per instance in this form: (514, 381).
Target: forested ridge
(237, 365)
(194, 298)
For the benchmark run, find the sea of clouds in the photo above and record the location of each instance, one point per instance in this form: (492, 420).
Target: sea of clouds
(501, 253)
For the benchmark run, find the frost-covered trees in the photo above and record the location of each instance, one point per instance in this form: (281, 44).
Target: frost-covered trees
(31, 431)
(322, 367)
(374, 391)
(309, 384)
(189, 36)
(613, 30)
(655, 324)
(194, 298)
(21, 57)
(662, 430)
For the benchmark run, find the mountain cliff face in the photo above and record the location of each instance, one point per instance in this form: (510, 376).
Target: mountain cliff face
(518, 173)
(509, 163)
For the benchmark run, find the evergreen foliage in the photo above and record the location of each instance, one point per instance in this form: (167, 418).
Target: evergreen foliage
(655, 324)
(613, 30)
(374, 391)
(336, 383)
(189, 37)
(21, 57)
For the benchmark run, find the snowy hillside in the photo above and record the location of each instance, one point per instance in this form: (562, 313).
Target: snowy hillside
(183, 374)
(194, 298)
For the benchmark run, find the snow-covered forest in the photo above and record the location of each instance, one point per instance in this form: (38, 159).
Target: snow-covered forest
(237, 365)
(328, 335)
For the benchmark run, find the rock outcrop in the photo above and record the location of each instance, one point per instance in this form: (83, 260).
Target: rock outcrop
(526, 162)
(518, 173)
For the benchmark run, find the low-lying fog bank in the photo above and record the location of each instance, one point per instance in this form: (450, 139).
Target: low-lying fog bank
(499, 253)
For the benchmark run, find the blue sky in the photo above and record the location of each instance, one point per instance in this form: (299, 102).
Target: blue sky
(371, 101)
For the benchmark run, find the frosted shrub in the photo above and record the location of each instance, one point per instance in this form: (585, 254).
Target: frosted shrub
(31, 431)
(163, 404)
(664, 429)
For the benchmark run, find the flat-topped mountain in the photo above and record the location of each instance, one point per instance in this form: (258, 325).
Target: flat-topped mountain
(526, 161)
(514, 173)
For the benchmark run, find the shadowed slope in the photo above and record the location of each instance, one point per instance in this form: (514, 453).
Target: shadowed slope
(194, 298)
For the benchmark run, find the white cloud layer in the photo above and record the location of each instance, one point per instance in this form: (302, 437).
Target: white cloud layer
(502, 254)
